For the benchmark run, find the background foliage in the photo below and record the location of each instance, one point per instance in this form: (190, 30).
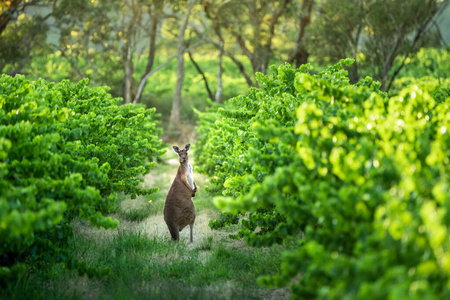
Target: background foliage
(130, 44)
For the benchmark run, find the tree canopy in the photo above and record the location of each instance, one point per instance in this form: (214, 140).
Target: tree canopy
(116, 42)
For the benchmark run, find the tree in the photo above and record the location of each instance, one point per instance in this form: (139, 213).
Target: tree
(251, 26)
(149, 23)
(102, 37)
(299, 54)
(181, 46)
(397, 29)
(381, 30)
(212, 12)
(21, 33)
(336, 32)
(90, 36)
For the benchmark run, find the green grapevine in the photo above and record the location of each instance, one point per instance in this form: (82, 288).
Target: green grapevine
(357, 178)
(65, 150)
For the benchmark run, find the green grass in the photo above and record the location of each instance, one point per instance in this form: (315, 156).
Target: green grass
(143, 267)
(142, 208)
(207, 244)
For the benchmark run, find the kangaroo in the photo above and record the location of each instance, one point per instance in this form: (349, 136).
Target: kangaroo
(179, 210)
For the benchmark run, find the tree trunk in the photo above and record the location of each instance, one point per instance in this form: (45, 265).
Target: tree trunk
(176, 104)
(219, 93)
(151, 57)
(259, 61)
(147, 76)
(174, 123)
(127, 61)
(299, 55)
(353, 72)
(127, 73)
(262, 52)
(241, 69)
(199, 70)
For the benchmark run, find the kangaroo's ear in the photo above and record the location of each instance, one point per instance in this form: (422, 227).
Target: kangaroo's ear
(187, 147)
(176, 149)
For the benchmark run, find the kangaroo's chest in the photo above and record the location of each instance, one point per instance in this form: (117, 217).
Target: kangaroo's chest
(189, 176)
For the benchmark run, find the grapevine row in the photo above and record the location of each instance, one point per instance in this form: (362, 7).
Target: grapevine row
(65, 151)
(357, 180)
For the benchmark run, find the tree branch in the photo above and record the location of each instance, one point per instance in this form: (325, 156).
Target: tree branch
(438, 30)
(151, 57)
(197, 67)
(411, 48)
(241, 42)
(147, 76)
(274, 20)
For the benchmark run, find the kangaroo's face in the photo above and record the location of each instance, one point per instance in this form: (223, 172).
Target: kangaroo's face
(182, 154)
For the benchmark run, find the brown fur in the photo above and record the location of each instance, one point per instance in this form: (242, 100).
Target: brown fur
(179, 210)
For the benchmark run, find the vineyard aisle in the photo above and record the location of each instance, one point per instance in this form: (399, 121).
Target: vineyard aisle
(163, 177)
(212, 267)
(145, 213)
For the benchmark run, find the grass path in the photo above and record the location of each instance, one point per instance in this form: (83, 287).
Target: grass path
(146, 264)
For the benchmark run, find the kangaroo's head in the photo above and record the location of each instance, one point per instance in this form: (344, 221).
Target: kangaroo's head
(182, 154)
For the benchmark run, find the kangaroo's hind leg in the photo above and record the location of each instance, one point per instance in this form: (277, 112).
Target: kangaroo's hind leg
(174, 232)
(191, 227)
